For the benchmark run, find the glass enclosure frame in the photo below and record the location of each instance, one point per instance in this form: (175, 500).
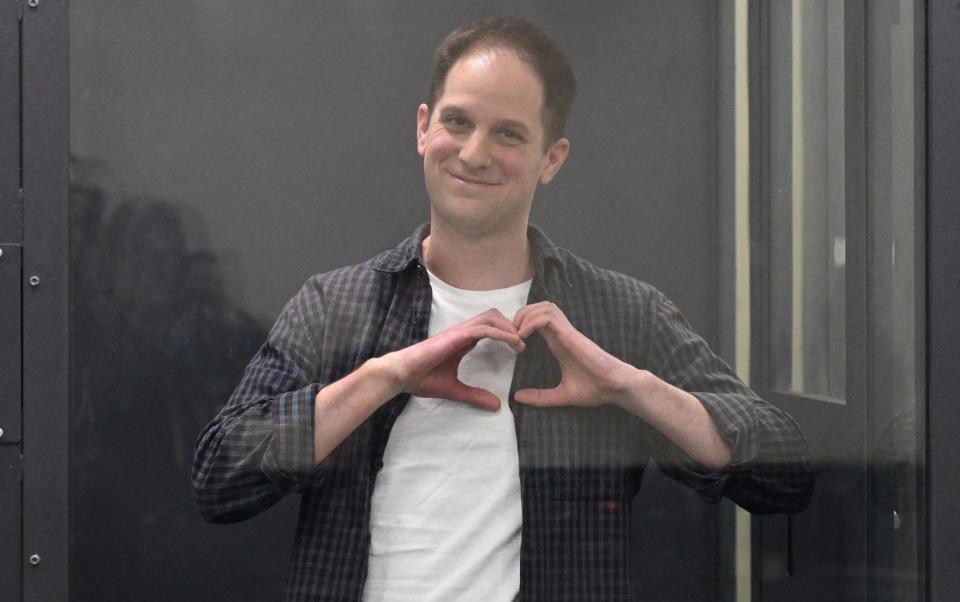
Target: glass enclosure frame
(847, 440)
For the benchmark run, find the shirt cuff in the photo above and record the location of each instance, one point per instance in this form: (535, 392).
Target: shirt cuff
(289, 459)
(734, 421)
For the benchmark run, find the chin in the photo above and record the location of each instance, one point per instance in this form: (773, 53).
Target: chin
(476, 226)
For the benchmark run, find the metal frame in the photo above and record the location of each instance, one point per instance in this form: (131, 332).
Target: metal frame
(11, 469)
(770, 534)
(938, 264)
(943, 299)
(45, 183)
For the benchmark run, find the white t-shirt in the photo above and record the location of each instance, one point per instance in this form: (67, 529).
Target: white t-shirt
(446, 516)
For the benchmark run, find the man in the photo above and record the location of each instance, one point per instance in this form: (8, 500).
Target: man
(468, 414)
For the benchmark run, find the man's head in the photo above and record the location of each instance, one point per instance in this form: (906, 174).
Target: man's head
(484, 136)
(531, 45)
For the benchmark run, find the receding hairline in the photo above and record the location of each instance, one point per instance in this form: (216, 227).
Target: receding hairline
(531, 45)
(494, 47)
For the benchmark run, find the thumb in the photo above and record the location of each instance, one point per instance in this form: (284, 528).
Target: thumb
(539, 397)
(475, 396)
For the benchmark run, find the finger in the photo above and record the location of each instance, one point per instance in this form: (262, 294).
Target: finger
(494, 317)
(540, 397)
(526, 310)
(541, 320)
(464, 350)
(490, 332)
(459, 340)
(474, 396)
(467, 345)
(554, 314)
(491, 317)
(445, 346)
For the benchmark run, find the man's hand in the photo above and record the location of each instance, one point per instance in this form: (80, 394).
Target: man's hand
(429, 368)
(589, 375)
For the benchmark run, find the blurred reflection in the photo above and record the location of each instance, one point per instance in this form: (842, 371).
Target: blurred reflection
(894, 472)
(894, 465)
(156, 344)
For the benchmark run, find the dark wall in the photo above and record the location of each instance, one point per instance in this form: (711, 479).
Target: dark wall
(223, 152)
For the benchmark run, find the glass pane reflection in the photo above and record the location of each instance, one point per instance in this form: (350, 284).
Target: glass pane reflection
(224, 154)
(895, 177)
(170, 300)
(808, 198)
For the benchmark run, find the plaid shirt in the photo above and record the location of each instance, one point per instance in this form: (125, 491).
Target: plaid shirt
(579, 467)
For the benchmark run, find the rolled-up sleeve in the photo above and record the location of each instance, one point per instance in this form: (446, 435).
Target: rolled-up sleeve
(769, 469)
(260, 445)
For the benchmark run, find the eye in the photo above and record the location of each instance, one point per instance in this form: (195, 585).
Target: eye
(511, 136)
(456, 122)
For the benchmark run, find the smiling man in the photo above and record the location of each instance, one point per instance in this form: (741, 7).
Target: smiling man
(467, 416)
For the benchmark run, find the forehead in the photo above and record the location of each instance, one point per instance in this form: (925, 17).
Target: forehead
(495, 81)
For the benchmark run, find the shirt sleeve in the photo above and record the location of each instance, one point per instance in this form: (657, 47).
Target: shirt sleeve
(769, 469)
(260, 445)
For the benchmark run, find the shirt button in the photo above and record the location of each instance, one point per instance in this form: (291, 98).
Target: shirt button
(417, 318)
(378, 465)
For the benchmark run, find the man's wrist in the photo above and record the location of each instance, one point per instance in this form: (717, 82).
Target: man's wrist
(385, 375)
(634, 389)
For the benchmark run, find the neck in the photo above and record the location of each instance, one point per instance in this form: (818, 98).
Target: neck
(479, 264)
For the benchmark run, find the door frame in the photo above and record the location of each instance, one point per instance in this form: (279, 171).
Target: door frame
(943, 300)
(839, 448)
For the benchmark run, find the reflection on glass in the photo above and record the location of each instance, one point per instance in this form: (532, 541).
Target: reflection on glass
(276, 132)
(893, 176)
(808, 201)
(155, 344)
(881, 556)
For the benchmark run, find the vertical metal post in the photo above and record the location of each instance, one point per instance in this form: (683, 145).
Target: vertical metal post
(943, 298)
(45, 177)
(10, 301)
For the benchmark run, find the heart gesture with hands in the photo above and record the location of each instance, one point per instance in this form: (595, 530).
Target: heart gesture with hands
(589, 376)
(429, 368)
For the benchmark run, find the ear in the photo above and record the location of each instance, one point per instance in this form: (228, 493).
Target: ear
(553, 159)
(423, 123)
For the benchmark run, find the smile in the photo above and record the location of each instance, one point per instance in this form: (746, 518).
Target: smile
(467, 180)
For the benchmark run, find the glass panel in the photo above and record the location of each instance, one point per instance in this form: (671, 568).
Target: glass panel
(808, 248)
(872, 363)
(225, 152)
(895, 176)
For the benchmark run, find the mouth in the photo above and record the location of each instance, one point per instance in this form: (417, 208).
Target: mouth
(472, 181)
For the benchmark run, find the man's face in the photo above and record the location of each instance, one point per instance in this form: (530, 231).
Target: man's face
(483, 145)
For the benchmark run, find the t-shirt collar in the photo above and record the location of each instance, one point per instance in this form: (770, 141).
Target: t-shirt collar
(546, 255)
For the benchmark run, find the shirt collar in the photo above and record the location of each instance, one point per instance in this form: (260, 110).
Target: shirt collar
(547, 256)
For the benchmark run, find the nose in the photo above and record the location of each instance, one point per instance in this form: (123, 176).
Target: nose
(474, 152)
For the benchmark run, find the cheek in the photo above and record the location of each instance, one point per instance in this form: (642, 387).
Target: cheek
(438, 148)
(523, 169)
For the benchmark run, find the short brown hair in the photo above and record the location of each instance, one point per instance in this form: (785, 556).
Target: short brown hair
(531, 44)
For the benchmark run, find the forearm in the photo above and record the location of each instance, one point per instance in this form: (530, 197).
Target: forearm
(342, 406)
(677, 414)
(255, 451)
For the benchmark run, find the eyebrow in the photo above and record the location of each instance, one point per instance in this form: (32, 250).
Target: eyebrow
(504, 123)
